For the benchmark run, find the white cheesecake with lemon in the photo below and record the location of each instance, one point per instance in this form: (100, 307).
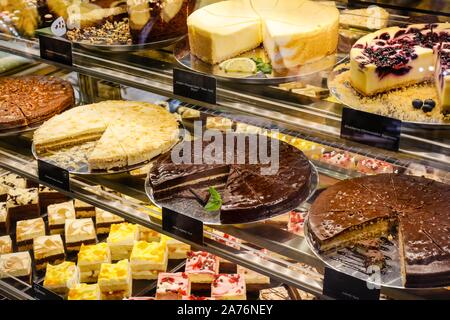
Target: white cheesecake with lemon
(395, 57)
(293, 32)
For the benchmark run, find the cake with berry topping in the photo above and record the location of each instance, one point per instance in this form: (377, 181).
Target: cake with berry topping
(201, 266)
(442, 76)
(172, 286)
(228, 287)
(374, 166)
(395, 57)
(339, 159)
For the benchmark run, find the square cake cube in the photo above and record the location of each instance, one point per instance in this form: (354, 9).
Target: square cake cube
(177, 249)
(48, 249)
(148, 259)
(17, 265)
(83, 209)
(10, 181)
(27, 230)
(104, 220)
(22, 204)
(115, 281)
(149, 235)
(5, 245)
(48, 196)
(79, 231)
(252, 277)
(228, 287)
(83, 291)
(201, 266)
(62, 277)
(121, 240)
(57, 215)
(90, 259)
(4, 218)
(172, 286)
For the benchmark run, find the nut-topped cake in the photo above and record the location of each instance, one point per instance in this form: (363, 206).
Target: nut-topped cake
(377, 206)
(29, 99)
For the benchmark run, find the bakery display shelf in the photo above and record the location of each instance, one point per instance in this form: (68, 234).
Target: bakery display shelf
(322, 117)
(264, 235)
(186, 59)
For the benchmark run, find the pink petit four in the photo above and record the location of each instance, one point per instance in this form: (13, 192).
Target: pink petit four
(201, 266)
(172, 286)
(228, 287)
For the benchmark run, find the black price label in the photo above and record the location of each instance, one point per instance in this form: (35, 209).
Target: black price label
(371, 129)
(183, 226)
(342, 286)
(54, 175)
(42, 293)
(55, 49)
(195, 86)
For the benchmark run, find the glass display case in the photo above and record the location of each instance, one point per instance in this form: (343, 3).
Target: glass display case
(280, 69)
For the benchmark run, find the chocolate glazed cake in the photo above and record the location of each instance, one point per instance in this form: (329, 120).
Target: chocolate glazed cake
(30, 99)
(418, 209)
(246, 192)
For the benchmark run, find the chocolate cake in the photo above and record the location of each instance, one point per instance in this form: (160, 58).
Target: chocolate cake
(414, 207)
(246, 191)
(30, 99)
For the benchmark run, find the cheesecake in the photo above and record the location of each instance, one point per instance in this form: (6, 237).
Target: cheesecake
(293, 32)
(396, 57)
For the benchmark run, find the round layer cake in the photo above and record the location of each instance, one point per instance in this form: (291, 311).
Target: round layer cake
(395, 57)
(126, 132)
(415, 208)
(30, 99)
(293, 32)
(248, 191)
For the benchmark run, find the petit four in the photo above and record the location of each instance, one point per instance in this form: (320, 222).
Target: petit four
(148, 259)
(90, 259)
(79, 231)
(374, 166)
(201, 266)
(10, 181)
(48, 196)
(27, 230)
(17, 265)
(4, 218)
(296, 221)
(83, 209)
(277, 293)
(149, 235)
(172, 286)
(61, 277)
(5, 244)
(228, 287)
(219, 123)
(121, 240)
(22, 204)
(177, 249)
(57, 215)
(48, 249)
(115, 281)
(104, 220)
(252, 277)
(339, 159)
(83, 291)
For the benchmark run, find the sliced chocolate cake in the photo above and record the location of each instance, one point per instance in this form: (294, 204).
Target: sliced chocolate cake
(248, 188)
(368, 207)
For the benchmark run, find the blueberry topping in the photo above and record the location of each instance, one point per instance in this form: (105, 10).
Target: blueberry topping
(430, 102)
(427, 108)
(417, 103)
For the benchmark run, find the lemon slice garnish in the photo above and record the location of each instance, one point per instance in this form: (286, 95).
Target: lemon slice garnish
(240, 65)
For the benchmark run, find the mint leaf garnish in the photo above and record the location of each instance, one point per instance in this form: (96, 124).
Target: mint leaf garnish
(215, 200)
(262, 66)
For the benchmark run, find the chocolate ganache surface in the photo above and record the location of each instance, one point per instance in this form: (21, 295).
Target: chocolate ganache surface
(418, 209)
(249, 190)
